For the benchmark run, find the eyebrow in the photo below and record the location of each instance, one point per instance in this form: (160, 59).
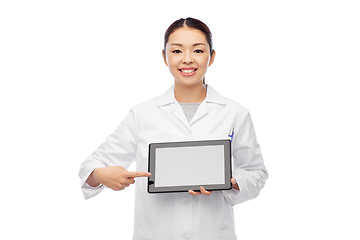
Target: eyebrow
(178, 44)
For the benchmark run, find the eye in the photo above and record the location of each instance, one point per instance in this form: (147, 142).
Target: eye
(176, 51)
(199, 51)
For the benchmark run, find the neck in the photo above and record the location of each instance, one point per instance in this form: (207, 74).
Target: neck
(190, 94)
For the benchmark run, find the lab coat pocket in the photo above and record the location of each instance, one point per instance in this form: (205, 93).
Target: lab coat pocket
(218, 136)
(227, 235)
(146, 236)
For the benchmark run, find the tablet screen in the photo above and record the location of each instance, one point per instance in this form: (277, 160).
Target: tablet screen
(172, 164)
(183, 166)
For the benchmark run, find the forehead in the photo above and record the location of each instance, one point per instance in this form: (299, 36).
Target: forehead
(187, 36)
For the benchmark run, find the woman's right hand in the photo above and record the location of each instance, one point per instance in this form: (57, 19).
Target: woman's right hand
(116, 178)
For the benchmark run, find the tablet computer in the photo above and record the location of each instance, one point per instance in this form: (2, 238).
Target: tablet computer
(183, 166)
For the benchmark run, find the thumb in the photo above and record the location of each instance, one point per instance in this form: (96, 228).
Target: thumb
(233, 180)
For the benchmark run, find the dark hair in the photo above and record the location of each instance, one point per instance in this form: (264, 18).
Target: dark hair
(190, 23)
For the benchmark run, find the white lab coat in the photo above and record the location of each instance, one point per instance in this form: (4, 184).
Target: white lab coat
(180, 215)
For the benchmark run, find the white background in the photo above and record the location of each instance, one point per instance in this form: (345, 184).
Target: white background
(71, 70)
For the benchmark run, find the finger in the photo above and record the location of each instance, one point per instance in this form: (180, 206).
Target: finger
(234, 184)
(138, 174)
(194, 193)
(129, 181)
(203, 191)
(117, 188)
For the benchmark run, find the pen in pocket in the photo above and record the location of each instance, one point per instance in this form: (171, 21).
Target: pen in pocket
(231, 134)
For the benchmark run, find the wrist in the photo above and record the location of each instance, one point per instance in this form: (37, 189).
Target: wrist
(93, 178)
(95, 175)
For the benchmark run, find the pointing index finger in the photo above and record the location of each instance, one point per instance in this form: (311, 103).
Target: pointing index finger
(139, 174)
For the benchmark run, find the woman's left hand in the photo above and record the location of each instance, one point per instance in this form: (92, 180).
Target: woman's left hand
(202, 191)
(207, 193)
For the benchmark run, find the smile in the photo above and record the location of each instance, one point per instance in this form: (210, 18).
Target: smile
(187, 71)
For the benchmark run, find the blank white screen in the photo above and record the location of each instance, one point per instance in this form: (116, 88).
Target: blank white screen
(182, 166)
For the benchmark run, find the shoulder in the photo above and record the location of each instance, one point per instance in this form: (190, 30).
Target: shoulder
(235, 105)
(153, 103)
(226, 101)
(239, 112)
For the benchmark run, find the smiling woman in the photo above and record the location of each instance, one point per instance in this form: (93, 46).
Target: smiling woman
(188, 110)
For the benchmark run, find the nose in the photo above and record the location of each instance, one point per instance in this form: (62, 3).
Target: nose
(187, 58)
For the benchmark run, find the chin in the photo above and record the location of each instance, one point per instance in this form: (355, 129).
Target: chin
(189, 82)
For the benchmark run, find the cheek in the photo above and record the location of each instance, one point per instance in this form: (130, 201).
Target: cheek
(203, 61)
(173, 63)
(172, 66)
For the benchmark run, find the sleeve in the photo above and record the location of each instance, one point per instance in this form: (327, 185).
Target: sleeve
(119, 149)
(248, 165)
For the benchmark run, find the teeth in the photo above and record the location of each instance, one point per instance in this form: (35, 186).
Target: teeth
(187, 71)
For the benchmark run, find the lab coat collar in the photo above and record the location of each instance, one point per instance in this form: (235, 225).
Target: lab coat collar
(212, 96)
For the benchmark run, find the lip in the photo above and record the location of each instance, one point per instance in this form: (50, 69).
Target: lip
(187, 68)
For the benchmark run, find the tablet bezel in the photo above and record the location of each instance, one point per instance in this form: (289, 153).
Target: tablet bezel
(226, 143)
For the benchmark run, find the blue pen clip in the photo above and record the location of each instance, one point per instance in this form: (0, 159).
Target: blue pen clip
(231, 134)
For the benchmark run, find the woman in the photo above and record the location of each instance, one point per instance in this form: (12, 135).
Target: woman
(188, 110)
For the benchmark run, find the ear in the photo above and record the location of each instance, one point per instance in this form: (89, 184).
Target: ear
(212, 58)
(163, 54)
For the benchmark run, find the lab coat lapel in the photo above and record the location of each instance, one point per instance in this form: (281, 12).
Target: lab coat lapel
(211, 97)
(169, 98)
(201, 111)
(178, 112)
